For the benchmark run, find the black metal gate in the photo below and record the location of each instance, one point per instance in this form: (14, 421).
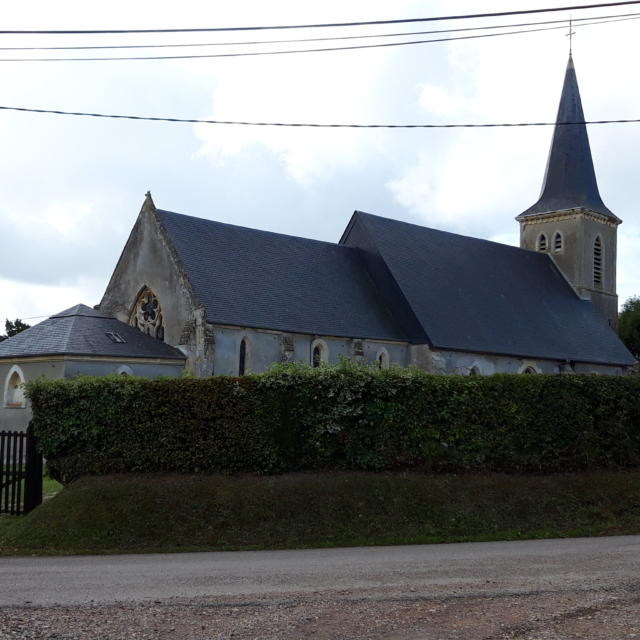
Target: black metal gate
(20, 473)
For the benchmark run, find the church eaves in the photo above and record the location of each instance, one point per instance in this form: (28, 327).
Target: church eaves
(570, 178)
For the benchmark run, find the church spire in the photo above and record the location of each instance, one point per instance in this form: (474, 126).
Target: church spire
(570, 179)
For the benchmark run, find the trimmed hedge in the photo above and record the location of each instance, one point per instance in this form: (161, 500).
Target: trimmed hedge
(345, 417)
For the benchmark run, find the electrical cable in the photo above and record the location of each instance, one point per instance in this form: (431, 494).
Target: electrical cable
(34, 318)
(296, 51)
(608, 18)
(360, 23)
(320, 125)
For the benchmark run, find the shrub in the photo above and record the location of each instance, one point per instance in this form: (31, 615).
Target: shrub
(346, 417)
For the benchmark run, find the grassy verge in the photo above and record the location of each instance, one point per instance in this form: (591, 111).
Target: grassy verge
(154, 513)
(50, 488)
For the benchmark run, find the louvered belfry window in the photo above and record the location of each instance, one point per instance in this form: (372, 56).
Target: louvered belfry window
(597, 262)
(542, 242)
(557, 241)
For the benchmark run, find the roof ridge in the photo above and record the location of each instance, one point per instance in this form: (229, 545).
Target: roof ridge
(80, 310)
(70, 327)
(262, 231)
(448, 233)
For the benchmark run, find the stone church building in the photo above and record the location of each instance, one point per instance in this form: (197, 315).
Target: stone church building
(235, 300)
(221, 299)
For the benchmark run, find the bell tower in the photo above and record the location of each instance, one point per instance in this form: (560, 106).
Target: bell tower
(570, 221)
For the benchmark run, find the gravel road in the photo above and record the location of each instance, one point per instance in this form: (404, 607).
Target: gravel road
(531, 590)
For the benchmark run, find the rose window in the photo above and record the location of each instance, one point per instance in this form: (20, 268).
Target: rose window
(147, 315)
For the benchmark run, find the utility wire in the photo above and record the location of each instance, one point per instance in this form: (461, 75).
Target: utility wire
(320, 25)
(294, 51)
(321, 125)
(323, 39)
(33, 317)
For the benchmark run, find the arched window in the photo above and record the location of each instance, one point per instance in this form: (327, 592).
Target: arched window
(147, 314)
(319, 353)
(568, 366)
(529, 370)
(558, 243)
(474, 371)
(597, 262)
(242, 360)
(14, 389)
(124, 370)
(382, 359)
(542, 242)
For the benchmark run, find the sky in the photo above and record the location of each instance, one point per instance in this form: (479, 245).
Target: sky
(72, 188)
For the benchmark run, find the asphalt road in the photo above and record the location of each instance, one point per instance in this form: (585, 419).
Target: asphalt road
(500, 568)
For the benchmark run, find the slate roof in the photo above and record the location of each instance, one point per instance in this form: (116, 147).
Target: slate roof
(250, 278)
(81, 330)
(570, 179)
(480, 296)
(392, 280)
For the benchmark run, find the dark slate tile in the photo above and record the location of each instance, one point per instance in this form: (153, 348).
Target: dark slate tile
(81, 330)
(480, 296)
(251, 278)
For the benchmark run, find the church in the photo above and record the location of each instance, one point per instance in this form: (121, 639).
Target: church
(213, 298)
(235, 300)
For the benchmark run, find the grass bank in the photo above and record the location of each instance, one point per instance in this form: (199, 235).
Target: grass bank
(168, 513)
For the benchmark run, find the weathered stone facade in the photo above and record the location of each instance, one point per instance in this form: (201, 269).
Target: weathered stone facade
(578, 229)
(459, 363)
(148, 265)
(150, 268)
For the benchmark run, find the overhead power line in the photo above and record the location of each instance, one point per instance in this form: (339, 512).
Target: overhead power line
(34, 317)
(317, 125)
(242, 54)
(576, 22)
(319, 25)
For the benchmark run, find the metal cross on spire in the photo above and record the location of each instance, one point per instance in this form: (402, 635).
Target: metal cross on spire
(570, 34)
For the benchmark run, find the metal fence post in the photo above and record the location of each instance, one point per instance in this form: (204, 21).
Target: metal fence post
(33, 473)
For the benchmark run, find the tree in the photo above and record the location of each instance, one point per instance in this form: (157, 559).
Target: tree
(629, 325)
(13, 328)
